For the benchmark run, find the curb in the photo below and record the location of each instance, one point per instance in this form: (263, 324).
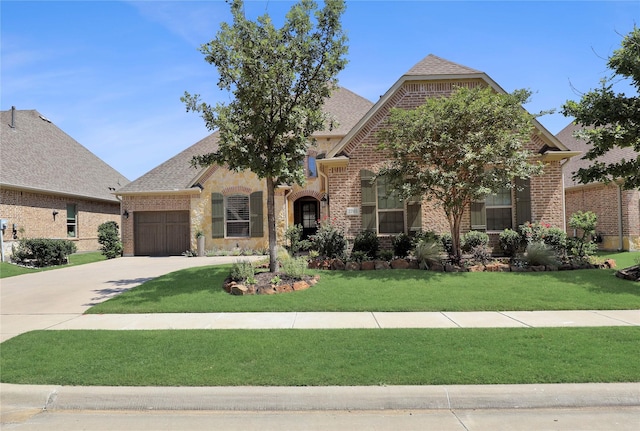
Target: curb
(251, 398)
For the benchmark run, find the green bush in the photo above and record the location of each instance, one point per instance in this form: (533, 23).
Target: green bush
(556, 238)
(427, 252)
(109, 239)
(402, 245)
(481, 254)
(296, 267)
(358, 256)
(533, 232)
(368, 242)
(242, 271)
(510, 242)
(447, 243)
(538, 253)
(386, 255)
(586, 222)
(329, 241)
(473, 239)
(293, 234)
(43, 251)
(427, 235)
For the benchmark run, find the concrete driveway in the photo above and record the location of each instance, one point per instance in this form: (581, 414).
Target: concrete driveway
(44, 299)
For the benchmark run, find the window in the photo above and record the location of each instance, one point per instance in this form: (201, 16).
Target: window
(494, 214)
(72, 221)
(312, 172)
(383, 211)
(236, 215)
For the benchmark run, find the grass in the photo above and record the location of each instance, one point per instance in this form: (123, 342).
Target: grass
(323, 357)
(199, 290)
(11, 270)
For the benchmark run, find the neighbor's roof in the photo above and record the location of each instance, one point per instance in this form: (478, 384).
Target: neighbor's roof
(612, 156)
(434, 68)
(36, 155)
(344, 107)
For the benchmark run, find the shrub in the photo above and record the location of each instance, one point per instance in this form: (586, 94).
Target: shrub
(242, 271)
(585, 222)
(447, 243)
(538, 253)
(427, 252)
(556, 238)
(510, 242)
(473, 239)
(329, 241)
(293, 234)
(295, 267)
(368, 242)
(109, 239)
(386, 255)
(533, 232)
(428, 235)
(402, 245)
(358, 256)
(481, 254)
(43, 251)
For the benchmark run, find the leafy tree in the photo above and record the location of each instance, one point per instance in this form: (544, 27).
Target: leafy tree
(458, 149)
(279, 79)
(611, 120)
(109, 239)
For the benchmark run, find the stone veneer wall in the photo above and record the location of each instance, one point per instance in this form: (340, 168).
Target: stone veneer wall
(32, 212)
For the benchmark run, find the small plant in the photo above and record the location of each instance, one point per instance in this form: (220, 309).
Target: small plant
(242, 271)
(427, 235)
(313, 254)
(329, 241)
(386, 255)
(189, 253)
(473, 239)
(539, 254)
(510, 242)
(295, 267)
(447, 243)
(427, 252)
(358, 256)
(293, 235)
(109, 239)
(367, 241)
(199, 233)
(481, 254)
(556, 238)
(275, 280)
(402, 245)
(585, 222)
(533, 232)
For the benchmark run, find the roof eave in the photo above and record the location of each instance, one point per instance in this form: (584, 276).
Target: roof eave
(189, 191)
(57, 192)
(553, 156)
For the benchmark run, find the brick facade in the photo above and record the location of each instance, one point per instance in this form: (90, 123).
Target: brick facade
(32, 213)
(612, 206)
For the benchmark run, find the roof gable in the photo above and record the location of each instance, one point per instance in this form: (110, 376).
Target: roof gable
(37, 155)
(430, 68)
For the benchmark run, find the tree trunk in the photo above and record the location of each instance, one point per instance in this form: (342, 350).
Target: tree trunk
(455, 220)
(271, 226)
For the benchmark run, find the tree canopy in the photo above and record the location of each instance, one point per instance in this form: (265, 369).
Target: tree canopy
(458, 149)
(611, 119)
(279, 79)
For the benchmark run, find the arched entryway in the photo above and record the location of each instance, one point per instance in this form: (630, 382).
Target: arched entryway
(306, 212)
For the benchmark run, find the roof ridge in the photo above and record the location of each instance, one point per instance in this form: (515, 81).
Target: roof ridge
(434, 65)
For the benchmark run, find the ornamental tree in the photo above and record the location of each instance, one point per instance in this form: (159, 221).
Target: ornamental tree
(610, 119)
(279, 79)
(458, 149)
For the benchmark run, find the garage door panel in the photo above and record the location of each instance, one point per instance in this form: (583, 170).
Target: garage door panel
(161, 233)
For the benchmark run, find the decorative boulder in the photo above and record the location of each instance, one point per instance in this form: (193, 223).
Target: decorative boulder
(399, 264)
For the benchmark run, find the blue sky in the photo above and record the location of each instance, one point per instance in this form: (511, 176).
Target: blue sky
(111, 73)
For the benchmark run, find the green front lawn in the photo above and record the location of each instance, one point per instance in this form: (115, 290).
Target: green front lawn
(199, 290)
(323, 357)
(11, 270)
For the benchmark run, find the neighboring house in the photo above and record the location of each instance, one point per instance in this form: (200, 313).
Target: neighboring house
(50, 185)
(618, 210)
(168, 206)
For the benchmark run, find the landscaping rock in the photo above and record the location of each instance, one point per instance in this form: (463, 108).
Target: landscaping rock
(239, 289)
(368, 265)
(538, 268)
(476, 268)
(413, 264)
(453, 268)
(381, 264)
(399, 264)
(352, 266)
(497, 267)
(632, 273)
(337, 265)
(610, 263)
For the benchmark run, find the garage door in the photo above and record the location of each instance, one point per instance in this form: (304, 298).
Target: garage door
(161, 233)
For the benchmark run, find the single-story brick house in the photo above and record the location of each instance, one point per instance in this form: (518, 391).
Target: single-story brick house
(50, 185)
(618, 210)
(169, 205)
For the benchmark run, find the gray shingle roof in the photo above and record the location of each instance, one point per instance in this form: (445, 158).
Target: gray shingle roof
(37, 155)
(566, 137)
(434, 65)
(344, 106)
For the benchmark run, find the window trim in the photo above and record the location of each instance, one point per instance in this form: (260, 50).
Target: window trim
(74, 221)
(227, 221)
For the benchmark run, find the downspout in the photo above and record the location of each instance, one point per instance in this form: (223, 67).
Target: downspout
(287, 192)
(564, 205)
(620, 229)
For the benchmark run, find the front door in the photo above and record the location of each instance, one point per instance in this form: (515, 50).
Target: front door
(306, 213)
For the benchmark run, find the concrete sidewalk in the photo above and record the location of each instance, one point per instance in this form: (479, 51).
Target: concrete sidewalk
(365, 320)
